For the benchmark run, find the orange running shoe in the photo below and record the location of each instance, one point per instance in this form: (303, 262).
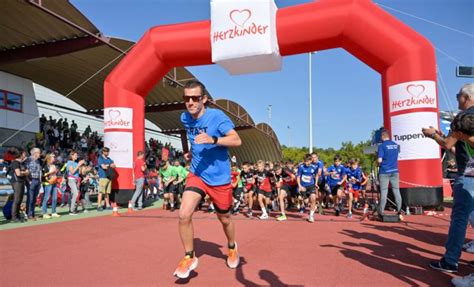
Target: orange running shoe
(233, 258)
(186, 266)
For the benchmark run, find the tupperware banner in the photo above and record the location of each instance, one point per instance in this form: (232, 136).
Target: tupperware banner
(243, 36)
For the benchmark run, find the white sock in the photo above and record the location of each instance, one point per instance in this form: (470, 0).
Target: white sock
(211, 206)
(172, 204)
(311, 213)
(264, 210)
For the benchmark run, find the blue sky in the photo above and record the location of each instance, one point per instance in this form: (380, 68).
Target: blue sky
(347, 103)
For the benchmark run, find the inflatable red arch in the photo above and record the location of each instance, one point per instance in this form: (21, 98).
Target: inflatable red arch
(396, 51)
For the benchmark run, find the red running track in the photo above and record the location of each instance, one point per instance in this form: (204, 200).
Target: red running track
(143, 249)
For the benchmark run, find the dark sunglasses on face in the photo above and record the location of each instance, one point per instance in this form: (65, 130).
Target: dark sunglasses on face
(194, 98)
(458, 95)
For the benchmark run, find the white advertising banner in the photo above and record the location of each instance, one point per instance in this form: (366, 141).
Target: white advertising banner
(243, 36)
(118, 118)
(406, 132)
(412, 95)
(121, 148)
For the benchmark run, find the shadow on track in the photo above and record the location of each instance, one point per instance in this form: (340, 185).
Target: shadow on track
(383, 254)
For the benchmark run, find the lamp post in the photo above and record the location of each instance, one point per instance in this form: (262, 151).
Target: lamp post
(289, 136)
(269, 109)
(310, 105)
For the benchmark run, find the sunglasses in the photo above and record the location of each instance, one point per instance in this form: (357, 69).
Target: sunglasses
(194, 98)
(458, 95)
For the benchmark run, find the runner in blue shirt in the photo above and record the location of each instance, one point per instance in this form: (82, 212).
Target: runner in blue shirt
(320, 182)
(336, 178)
(210, 133)
(307, 178)
(355, 178)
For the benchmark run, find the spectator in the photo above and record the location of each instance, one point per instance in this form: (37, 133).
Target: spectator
(30, 144)
(50, 172)
(105, 184)
(93, 157)
(42, 121)
(34, 167)
(87, 131)
(462, 187)
(56, 134)
(84, 143)
(86, 175)
(73, 179)
(63, 187)
(18, 176)
(139, 167)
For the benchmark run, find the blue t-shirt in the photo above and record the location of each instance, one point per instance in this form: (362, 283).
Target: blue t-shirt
(319, 166)
(72, 164)
(334, 179)
(307, 174)
(347, 169)
(357, 174)
(102, 161)
(210, 162)
(388, 151)
(322, 178)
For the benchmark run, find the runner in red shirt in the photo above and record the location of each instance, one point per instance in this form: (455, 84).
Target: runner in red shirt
(264, 187)
(287, 186)
(153, 182)
(248, 180)
(237, 187)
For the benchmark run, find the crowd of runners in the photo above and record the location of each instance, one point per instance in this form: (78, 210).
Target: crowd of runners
(265, 188)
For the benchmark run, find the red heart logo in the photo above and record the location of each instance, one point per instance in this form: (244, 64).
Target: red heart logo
(239, 17)
(114, 114)
(415, 90)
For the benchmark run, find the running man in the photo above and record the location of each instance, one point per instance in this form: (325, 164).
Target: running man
(179, 182)
(237, 187)
(248, 180)
(336, 178)
(287, 187)
(264, 187)
(210, 132)
(307, 179)
(355, 179)
(168, 174)
(320, 193)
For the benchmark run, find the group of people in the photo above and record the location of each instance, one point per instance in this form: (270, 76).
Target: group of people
(73, 180)
(310, 184)
(64, 164)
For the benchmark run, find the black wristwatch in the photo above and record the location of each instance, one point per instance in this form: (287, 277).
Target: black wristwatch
(214, 140)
